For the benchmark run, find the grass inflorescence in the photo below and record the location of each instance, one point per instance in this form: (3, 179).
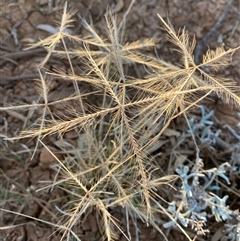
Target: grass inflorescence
(119, 127)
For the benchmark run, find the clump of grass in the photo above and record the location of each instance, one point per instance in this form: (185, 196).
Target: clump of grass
(113, 164)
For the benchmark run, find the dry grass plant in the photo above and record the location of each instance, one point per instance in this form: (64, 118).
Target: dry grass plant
(112, 165)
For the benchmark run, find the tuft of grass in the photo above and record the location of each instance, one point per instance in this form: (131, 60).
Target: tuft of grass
(119, 129)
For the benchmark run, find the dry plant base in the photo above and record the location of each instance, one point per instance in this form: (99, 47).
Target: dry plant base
(119, 135)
